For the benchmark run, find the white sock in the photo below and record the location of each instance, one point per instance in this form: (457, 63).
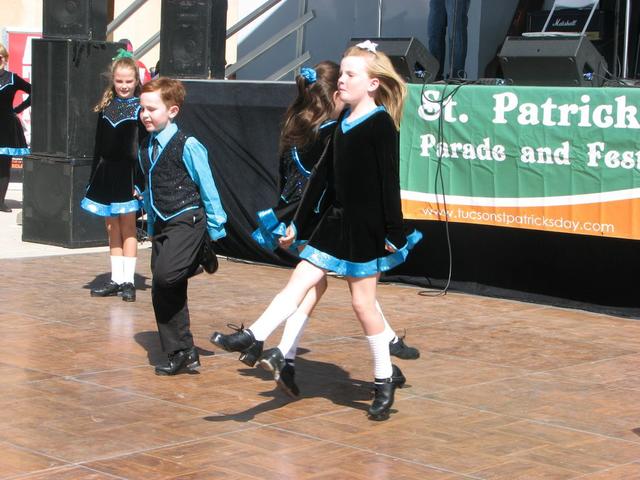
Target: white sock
(390, 335)
(292, 332)
(381, 359)
(129, 270)
(117, 268)
(277, 312)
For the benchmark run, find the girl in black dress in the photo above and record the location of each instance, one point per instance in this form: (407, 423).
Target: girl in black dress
(360, 232)
(12, 141)
(110, 193)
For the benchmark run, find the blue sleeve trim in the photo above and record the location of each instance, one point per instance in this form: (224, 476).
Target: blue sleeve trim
(196, 160)
(269, 230)
(296, 158)
(360, 269)
(111, 210)
(316, 209)
(15, 151)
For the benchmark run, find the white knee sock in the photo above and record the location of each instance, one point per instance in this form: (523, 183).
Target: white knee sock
(292, 332)
(129, 269)
(390, 335)
(117, 269)
(277, 312)
(381, 359)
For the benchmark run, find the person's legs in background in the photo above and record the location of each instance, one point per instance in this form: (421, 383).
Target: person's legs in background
(457, 15)
(436, 30)
(5, 173)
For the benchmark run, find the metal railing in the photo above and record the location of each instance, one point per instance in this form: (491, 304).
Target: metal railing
(297, 26)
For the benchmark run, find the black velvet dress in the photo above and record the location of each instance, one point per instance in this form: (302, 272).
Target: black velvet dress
(12, 140)
(363, 208)
(296, 166)
(111, 184)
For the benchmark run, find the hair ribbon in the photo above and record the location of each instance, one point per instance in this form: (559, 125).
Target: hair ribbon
(309, 74)
(368, 45)
(122, 53)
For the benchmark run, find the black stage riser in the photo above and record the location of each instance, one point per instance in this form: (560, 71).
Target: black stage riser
(69, 77)
(589, 272)
(239, 123)
(52, 190)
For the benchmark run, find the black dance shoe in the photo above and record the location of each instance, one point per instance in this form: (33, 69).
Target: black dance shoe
(402, 350)
(208, 258)
(128, 292)
(383, 394)
(4, 208)
(109, 289)
(283, 372)
(241, 341)
(286, 381)
(188, 360)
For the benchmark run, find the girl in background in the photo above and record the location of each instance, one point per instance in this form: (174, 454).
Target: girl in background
(359, 233)
(110, 193)
(12, 140)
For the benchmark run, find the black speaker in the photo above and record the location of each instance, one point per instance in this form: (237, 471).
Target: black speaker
(69, 77)
(557, 61)
(79, 19)
(409, 57)
(599, 31)
(52, 190)
(193, 38)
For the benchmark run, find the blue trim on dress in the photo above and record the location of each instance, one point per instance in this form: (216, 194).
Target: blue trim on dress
(133, 117)
(111, 210)
(327, 123)
(360, 269)
(346, 126)
(8, 83)
(316, 209)
(15, 151)
(294, 154)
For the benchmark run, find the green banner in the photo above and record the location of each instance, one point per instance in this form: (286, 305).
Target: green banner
(557, 154)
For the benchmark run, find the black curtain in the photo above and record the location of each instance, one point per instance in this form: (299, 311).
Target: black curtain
(239, 123)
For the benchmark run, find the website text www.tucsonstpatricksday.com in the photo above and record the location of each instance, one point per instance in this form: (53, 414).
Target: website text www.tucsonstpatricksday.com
(507, 219)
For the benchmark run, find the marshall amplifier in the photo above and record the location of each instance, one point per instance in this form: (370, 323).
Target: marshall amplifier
(572, 20)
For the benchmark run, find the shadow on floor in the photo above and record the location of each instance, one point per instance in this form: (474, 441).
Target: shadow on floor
(315, 379)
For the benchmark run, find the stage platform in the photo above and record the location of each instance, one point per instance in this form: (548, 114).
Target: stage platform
(503, 390)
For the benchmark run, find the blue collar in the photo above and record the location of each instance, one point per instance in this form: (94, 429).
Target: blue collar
(166, 134)
(127, 100)
(327, 123)
(346, 126)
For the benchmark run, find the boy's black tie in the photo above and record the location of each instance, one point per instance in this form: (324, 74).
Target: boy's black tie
(155, 150)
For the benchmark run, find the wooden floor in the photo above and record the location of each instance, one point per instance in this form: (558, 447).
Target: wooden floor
(503, 390)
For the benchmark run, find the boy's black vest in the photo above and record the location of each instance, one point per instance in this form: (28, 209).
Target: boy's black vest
(171, 185)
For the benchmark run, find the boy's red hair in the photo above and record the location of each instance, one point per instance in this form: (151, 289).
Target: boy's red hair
(172, 91)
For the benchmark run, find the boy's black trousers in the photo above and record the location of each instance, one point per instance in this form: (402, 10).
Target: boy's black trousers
(175, 255)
